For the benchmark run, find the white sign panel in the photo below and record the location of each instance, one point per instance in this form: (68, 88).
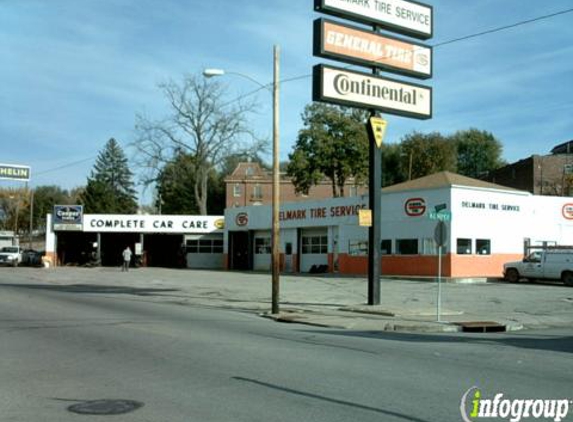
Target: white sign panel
(406, 17)
(133, 223)
(15, 172)
(348, 88)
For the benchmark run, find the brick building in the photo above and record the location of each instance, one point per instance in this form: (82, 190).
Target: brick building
(250, 184)
(540, 174)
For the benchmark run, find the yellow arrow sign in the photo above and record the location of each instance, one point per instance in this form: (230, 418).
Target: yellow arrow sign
(378, 127)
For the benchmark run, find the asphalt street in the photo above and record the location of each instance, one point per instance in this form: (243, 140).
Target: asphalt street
(185, 362)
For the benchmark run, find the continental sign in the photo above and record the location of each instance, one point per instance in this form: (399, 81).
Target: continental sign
(402, 16)
(354, 89)
(14, 172)
(334, 40)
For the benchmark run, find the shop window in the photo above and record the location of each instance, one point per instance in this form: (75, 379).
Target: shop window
(483, 246)
(237, 190)
(386, 247)
(315, 244)
(464, 247)
(358, 247)
(429, 246)
(407, 246)
(262, 245)
(205, 246)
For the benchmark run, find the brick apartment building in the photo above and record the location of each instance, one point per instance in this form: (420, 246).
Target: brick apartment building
(550, 175)
(250, 184)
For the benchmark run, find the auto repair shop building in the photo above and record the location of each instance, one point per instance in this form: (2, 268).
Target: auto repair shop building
(490, 225)
(157, 240)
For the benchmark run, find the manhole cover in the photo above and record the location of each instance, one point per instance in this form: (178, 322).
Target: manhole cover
(105, 407)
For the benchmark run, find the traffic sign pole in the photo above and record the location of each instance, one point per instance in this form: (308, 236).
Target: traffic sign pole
(439, 301)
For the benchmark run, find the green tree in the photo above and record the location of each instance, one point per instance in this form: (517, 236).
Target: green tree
(175, 188)
(333, 143)
(428, 153)
(45, 197)
(110, 187)
(478, 152)
(393, 170)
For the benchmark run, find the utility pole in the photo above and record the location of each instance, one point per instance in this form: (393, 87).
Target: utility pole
(276, 186)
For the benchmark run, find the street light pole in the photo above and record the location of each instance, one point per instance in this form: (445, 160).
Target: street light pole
(275, 230)
(276, 186)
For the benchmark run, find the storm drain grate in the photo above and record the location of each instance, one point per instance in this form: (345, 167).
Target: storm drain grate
(105, 407)
(482, 327)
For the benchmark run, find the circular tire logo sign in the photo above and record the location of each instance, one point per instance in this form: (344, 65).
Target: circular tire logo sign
(415, 207)
(567, 211)
(242, 219)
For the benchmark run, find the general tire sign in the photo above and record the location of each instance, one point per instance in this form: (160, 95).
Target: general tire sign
(334, 40)
(348, 88)
(403, 16)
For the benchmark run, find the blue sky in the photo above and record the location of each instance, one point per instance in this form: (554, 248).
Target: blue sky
(75, 72)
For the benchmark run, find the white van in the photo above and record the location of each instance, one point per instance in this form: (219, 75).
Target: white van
(549, 264)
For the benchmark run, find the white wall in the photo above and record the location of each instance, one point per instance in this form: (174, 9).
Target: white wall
(502, 217)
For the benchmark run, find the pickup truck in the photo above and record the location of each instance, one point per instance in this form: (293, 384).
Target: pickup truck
(10, 255)
(551, 264)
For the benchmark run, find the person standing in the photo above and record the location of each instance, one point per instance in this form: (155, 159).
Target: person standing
(126, 259)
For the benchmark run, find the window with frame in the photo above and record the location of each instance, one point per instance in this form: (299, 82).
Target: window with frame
(464, 246)
(257, 191)
(262, 245)
(407, 246)
(358, 247)
(315, 244)
(209, 246)
(483, 246)
(386, 247)
(237, 190)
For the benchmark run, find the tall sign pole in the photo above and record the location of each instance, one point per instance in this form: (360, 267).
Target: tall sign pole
(338, 41)
(374, 197)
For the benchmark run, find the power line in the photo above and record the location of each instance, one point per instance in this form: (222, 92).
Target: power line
(306, 76)
(65, 166)
(503, 28)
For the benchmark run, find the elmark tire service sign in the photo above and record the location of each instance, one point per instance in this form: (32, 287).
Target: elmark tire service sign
(401, 16)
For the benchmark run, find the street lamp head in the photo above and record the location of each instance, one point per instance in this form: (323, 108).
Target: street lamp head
(209, 73)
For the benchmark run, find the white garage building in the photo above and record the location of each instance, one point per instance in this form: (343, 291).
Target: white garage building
(490, 225)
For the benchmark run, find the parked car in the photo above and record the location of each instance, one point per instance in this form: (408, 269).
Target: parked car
(10, 255)
(32, 258)
(548, 264)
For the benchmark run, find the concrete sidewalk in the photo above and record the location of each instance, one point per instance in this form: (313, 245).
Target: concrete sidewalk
(322, 300)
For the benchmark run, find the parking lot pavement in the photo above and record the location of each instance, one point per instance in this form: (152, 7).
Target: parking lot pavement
(322, 300)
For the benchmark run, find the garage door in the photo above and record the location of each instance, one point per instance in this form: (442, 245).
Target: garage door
(204, 251)
(262, 256)
(314, 249)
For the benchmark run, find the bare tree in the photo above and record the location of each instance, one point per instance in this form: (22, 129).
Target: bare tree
(200, 124)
